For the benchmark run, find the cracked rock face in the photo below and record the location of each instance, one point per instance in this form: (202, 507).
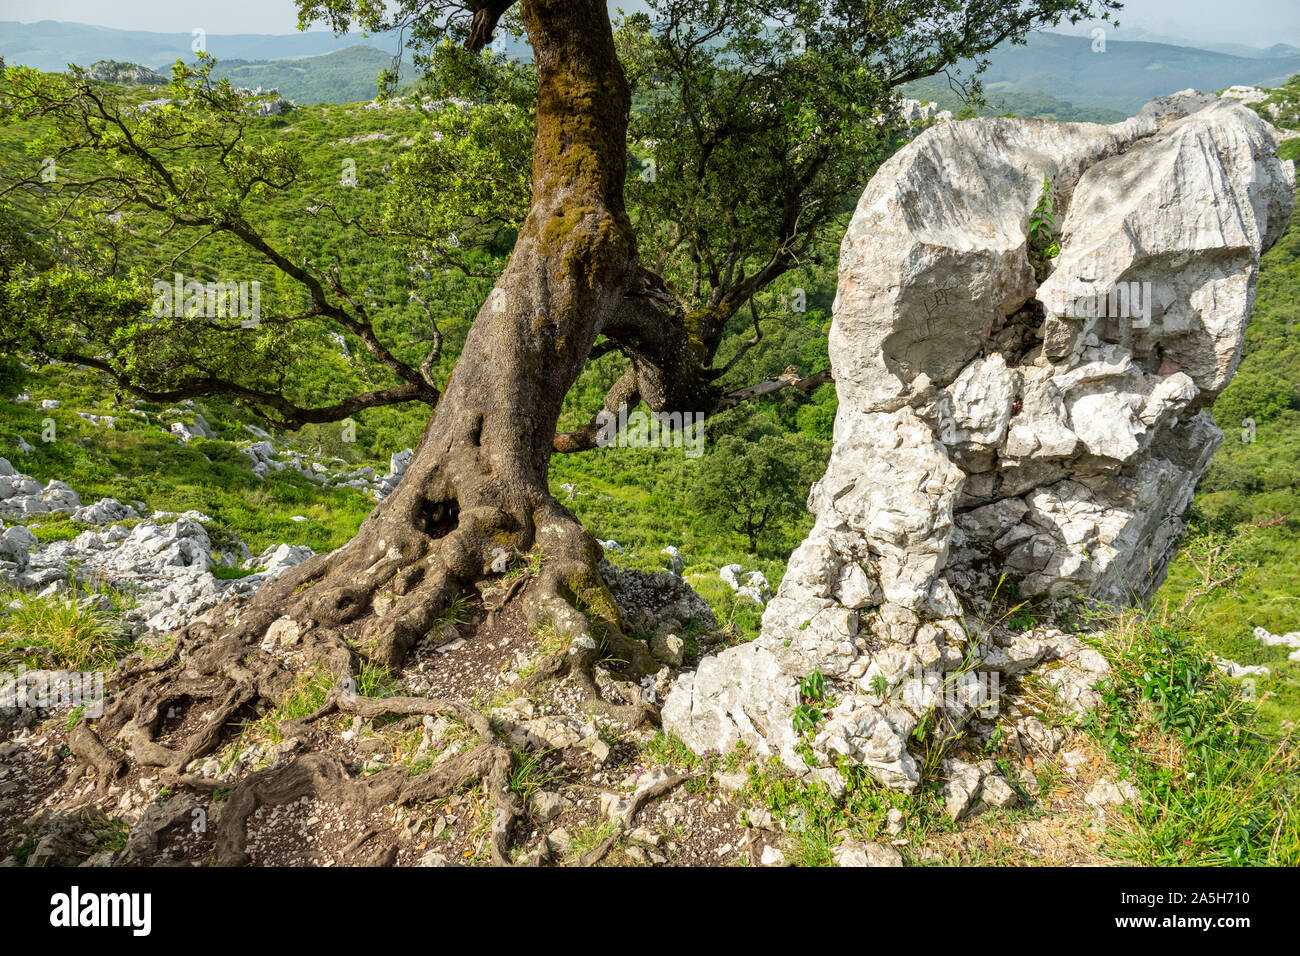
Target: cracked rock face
(1047, 426)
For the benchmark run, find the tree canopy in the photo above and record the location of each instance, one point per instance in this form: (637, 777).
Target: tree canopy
(752, 127)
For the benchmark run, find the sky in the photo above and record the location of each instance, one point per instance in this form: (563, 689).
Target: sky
(1258, 23)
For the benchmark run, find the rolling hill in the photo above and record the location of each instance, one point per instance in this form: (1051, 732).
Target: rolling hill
(52, 45)
(1053, 75)
(344, 76)
(1126, 75)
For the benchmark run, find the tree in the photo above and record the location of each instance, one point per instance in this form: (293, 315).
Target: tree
(751, 488)
(761, 118)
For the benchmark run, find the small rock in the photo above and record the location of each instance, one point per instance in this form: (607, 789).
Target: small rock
(772, 857)
(1106, 792)
(731, 782)
(962, 789)
(855, 853)
(894, 821)
(668, 649)
(283, 632)
(637, 854)
(998, 793)
(547, 805)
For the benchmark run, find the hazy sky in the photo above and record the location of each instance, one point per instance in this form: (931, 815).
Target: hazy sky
(1253, 22)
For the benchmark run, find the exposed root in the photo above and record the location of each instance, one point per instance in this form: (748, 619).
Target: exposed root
(640, 799)
(572, 598)
(86, 745)
(370, 601)
(325, 777)
(360, 841)
(157, 819)
(143, 729)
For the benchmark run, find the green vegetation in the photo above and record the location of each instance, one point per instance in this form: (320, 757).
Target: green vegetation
(1042, 230)
(72, 632)
(1214, 789)
(344, 76)
(1240, 567)
(1002, 99)
(752, 487)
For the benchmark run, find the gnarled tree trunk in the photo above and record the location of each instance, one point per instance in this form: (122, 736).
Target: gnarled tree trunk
(476, 489)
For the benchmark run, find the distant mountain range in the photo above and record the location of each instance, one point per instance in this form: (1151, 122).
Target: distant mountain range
(1135, 34)
(52, 45)
(306, 67)
(1127, 74)
(1053, 74)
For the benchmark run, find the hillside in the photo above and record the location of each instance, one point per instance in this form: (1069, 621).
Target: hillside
(1126, 75)
(1015, 102)
(342, 76)
(51, 45)
(1054, 75)
(212, 484)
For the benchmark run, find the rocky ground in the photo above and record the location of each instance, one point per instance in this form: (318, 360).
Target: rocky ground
(631, 796)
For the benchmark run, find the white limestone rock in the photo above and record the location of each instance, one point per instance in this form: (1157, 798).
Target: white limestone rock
(993, 425)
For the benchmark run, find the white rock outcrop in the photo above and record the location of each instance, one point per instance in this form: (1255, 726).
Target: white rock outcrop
(165, 564)
(991, 424)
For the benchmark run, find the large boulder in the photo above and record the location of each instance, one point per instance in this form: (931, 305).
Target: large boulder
(1000, 417)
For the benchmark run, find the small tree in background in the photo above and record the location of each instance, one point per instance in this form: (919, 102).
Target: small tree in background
(755, 488)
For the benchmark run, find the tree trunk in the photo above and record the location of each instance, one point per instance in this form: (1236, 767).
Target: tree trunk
(476, 489)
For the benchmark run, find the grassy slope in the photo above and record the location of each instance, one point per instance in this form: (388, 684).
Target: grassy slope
(1229, 803)
(1248, 504)
(345, 76)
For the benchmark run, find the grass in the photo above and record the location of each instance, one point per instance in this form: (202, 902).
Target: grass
(1223, 585)
(588, 836)
(62, 631)
(743, 614)
(137, 461)
(529, 773)
(375, 680)
(56, 527)
(230, 574)
(111, 835)
(304, 697)
(667, 749)
(1215, 790)
(816, 821)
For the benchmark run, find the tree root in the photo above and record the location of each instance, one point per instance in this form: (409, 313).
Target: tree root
(640, 799)
(369, 601)
(325, 777)
(86, 746)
